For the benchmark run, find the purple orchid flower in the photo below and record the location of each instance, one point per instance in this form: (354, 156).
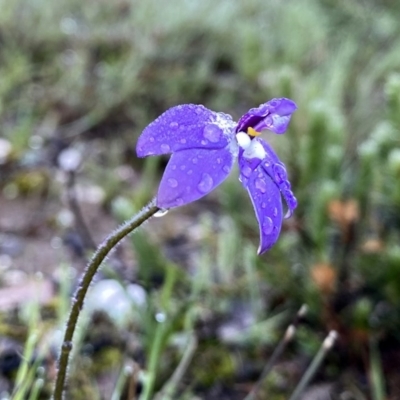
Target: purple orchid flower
(204, 146)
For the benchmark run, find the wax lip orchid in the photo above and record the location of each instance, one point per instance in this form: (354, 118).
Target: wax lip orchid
(204, 146)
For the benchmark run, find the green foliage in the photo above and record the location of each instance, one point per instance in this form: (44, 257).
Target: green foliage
(93, 74)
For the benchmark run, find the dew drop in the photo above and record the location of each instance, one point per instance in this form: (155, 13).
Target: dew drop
(190, 172)
(151, 139)
(275, 212)
(212, 132)
(205, 184)
(183, 141)
(219, 160)
(273, 103)
(173, 183)
(183, 167)
(268, 121)
(165, 148)
(280, 173)
(285, 185)
(263, 205)
(161, 212)
(267, 225)
(260, 185)
(195, 160)
(226, 169)
(174, 125)
(160, 317)
(179, 201)
(204, 142)
(246, 171)
(198, 110)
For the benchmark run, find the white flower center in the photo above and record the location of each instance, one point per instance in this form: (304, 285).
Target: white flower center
(243, 140)
(252, 148)
(255, 150)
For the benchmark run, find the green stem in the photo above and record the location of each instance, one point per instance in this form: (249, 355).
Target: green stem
(287, 338)
(155, 352)
(315, 364)
(86, 279)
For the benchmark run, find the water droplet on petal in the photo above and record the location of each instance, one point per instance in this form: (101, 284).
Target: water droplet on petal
(198, 110)
(212, 133)
(195, 160)
(165, 148)
(205, 184)
(268, 121)
(151, 139)
(183, 141)
(260, 185)
(190, 172)
(219, 160)
(226, 169)
(183, 167)
(161, 212)
(288, 214)
(179, 201)
(273, 103)
(267, 225)
(263, 205)
(275, 212)
(246, 171)
(174, 125)
(284, 185)
(173, 183)
(204, 142)
(280, 173)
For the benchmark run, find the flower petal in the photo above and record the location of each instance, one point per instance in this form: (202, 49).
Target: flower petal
(184, 127)
(273, 166)
(277, 171)
(273, 115)
(246, 167)
(267, 204)
(193, 173)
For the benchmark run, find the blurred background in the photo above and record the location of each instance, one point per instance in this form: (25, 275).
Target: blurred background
(185, 309)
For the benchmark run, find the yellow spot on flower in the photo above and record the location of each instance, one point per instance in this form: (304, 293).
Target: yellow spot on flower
(252, 132)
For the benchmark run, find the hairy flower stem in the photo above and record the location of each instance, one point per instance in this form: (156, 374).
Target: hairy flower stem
(86, 279)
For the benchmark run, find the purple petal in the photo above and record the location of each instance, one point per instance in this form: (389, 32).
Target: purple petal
(274, 123)
(191, 174)
(282, 106)
(246, 167)
(267, 204)
(184, 127)
(277, 171)
(274, 115)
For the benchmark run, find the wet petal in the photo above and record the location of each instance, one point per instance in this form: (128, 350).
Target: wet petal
(275, 123)
(246, 167)
(191, 174)
(184, 127)
(266, 199)
(274, 115)
(277, 172)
